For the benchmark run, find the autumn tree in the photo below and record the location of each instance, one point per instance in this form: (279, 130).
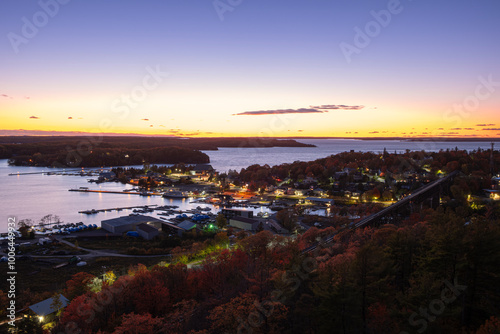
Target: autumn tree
(78, 284)
(221, 221)
(141, 324)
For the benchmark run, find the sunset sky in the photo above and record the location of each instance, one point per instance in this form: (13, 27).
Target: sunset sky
(337, 68)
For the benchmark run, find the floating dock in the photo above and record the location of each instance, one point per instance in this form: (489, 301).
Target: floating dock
(116, 192)
(117, 209)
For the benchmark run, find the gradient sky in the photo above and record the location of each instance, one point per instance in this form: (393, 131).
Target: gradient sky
(271, 68)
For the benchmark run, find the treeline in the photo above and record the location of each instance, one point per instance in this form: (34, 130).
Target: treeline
(111, 157)
(146, 142)
(114, 151)
(477, 162)
(437, 272)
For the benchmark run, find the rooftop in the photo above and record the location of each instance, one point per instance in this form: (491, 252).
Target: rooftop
(245, 220)
(44, 308)
(186, 225)
(146, 228)
(125, 220)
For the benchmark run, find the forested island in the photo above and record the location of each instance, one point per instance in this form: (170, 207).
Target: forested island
(96, 151)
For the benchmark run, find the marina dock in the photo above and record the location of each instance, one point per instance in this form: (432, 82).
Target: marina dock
(83, 190)
(118, 209)
(73, 172)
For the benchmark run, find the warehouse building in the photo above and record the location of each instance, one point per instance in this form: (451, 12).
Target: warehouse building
(146, 231)
(244, 223)
(128, 223)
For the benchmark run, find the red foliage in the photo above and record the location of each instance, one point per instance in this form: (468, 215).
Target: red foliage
(78, 284)
(379, 320)
(491, 326)
(149, 293)
(141, 324)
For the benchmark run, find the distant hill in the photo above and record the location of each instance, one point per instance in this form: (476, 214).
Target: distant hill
(96, 151)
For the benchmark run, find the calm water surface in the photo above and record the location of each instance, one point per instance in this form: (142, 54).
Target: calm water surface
(237, 158)
(34, 196)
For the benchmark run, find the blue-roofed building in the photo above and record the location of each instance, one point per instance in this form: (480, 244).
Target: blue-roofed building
(178, 229)
(187, 225)
(44, 310)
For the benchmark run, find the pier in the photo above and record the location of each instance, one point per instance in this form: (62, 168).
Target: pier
(116, 192)
(117, 209)
(74, 172)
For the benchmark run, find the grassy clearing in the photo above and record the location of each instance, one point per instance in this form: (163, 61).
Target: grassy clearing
(41, 277)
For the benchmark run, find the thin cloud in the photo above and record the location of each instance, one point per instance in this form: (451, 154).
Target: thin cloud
(5, 95)
(311, 110)
(485, 124)
(34, 117)
(70, 117)
(145, 119)
(491, 129)
(338, 107)
(373, 132)
(282, 111)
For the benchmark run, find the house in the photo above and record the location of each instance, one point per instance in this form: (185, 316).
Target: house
(339, 175)
(270, 188)
(230, 213)
(106, 176)
(202, 170)
(187, 225)
(244, 223)
(280, 191)
(147, 231)
(170, 228)
(275, 227)
(179, 229)
(317, 200)
(45, 310)
(310, 180)
(128, 223)
(319, 192)
(493, 194)
(300, 192)
(495, 183)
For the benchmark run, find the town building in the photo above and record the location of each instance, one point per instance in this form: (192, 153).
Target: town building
(45, 310)
(230, 213)
(128, 223)
(146, 231)
(244, 223)
(317, 200)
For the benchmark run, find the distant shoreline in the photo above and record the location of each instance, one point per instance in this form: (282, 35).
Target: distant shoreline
(416, 139)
